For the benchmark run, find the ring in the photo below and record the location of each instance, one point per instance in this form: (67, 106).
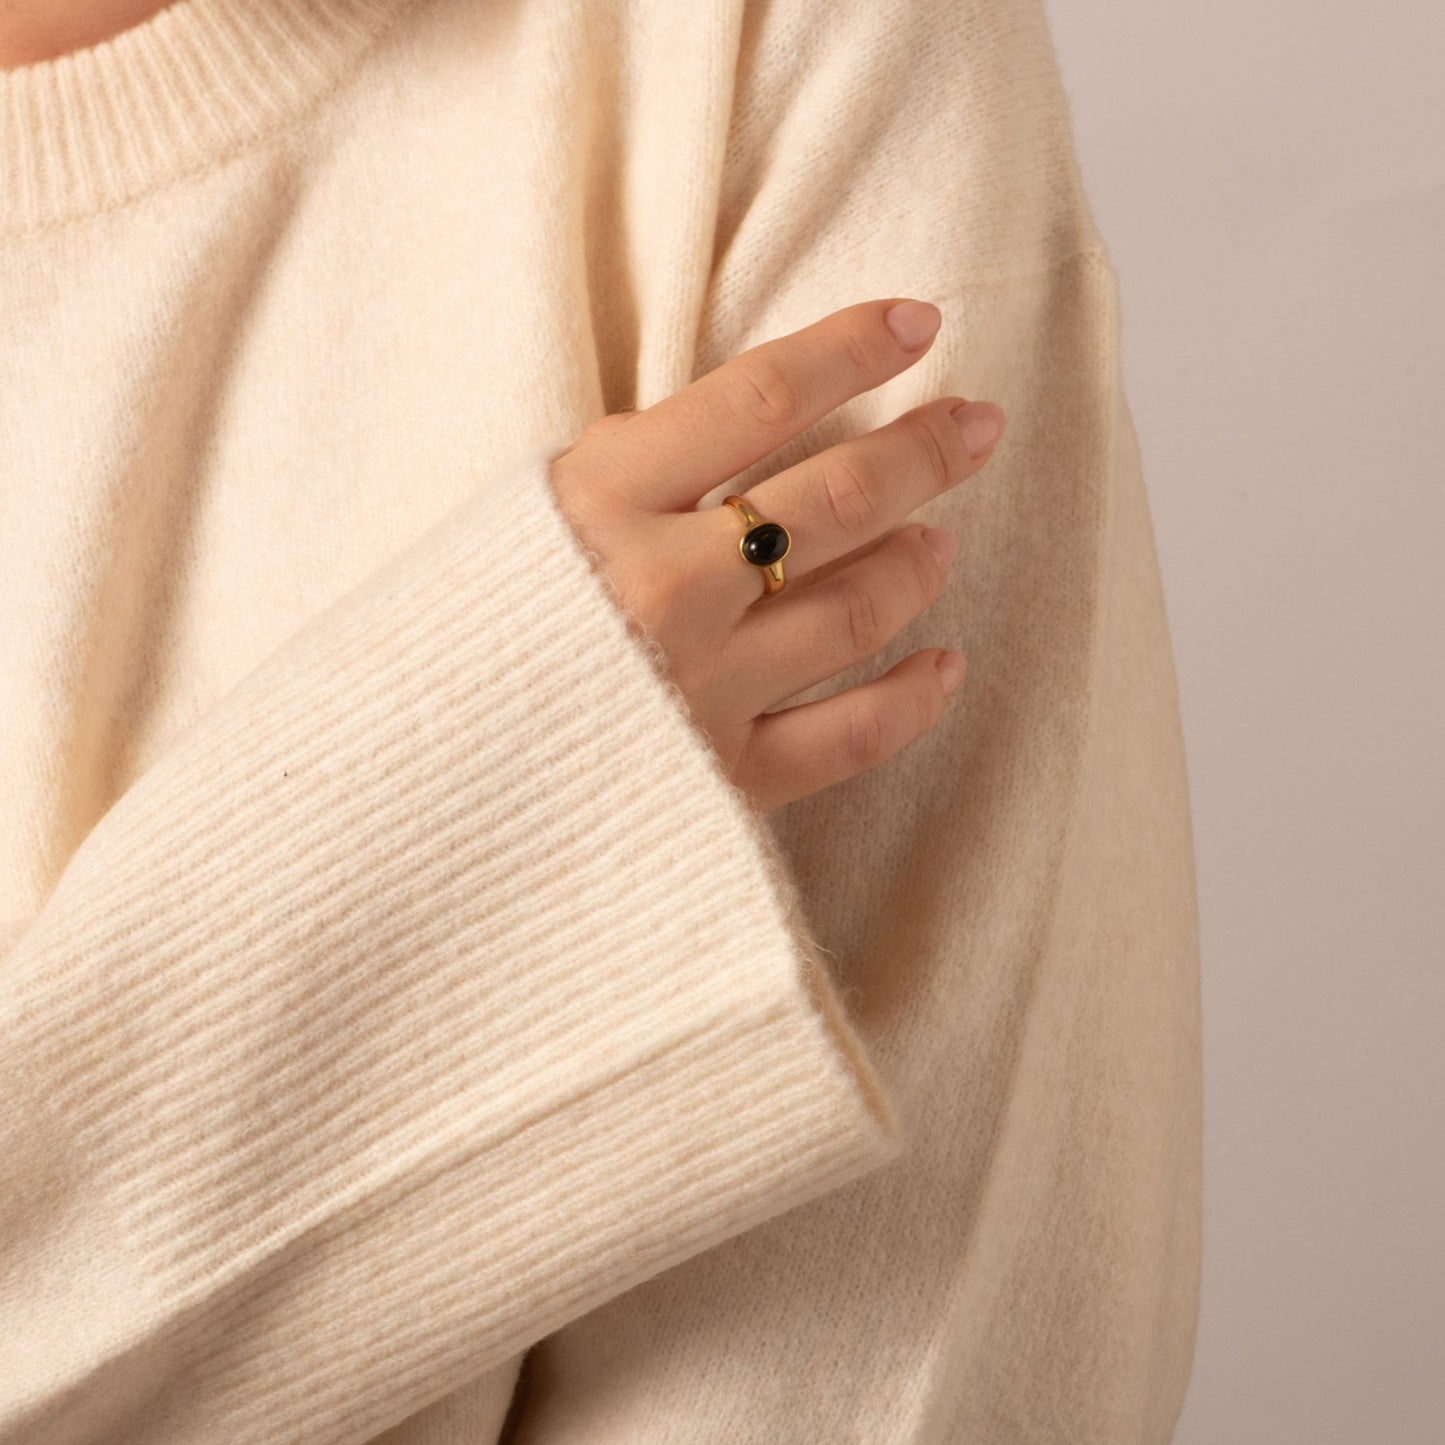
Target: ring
(763, 543)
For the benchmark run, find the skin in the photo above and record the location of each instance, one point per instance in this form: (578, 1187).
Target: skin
(630, 487)
(36, 30)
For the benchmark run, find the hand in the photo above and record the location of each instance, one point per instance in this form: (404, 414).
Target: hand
(630, 486)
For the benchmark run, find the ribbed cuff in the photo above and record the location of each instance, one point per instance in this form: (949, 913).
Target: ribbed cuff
(193, 84)
(432, 989)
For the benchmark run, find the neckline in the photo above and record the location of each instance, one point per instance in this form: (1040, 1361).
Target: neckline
(193, 84)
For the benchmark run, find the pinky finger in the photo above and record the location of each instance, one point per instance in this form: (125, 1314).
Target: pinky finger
(800, 750)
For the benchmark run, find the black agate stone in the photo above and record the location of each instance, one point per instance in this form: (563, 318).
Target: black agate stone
(765, 543)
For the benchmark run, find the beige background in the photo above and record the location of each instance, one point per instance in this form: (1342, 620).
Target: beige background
(1270, 181)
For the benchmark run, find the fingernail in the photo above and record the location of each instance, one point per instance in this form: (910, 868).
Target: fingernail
(942, 544)
(913, 323)
(950, 667)
(981, 424)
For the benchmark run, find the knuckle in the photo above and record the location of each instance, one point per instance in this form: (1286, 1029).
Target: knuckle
(570, 498)
(860, 615)
(560, 468)
(848, 495)
(766, 393)
(865, 741)
(932, 454)
(859, 348)
(586, 489)
(586, 512)
(928, 575)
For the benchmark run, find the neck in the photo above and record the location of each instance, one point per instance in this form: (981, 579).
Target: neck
(36, 30)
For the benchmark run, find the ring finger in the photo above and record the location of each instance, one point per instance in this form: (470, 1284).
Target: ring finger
(852, 493)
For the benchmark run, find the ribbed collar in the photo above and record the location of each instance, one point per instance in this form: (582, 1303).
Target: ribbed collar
(193, 84)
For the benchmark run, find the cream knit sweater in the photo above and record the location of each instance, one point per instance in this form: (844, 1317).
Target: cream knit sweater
(391, 983)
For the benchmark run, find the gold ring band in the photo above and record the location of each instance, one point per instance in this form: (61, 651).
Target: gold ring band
(763, 544)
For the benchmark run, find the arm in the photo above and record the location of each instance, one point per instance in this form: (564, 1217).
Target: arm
(431, 989)
(1023, 935)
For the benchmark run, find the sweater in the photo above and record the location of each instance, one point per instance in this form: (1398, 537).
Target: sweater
(408, 1032)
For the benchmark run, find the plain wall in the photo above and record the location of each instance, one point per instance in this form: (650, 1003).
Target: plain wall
(1270, 182)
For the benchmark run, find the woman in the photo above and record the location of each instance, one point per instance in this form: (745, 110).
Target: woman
(491, 869)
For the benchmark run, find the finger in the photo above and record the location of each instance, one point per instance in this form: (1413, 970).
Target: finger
(852, 493)
(610, 422)
(799, 639)
(600, 427)
(800, 750)
(677, 450)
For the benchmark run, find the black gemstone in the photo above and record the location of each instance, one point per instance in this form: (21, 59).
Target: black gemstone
(765, 543)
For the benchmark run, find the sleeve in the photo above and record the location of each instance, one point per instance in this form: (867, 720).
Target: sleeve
(1013, 900)
(432, 988)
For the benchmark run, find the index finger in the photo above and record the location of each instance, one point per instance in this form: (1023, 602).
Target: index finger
(670, 455)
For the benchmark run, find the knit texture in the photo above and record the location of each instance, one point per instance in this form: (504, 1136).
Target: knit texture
(407, 1031)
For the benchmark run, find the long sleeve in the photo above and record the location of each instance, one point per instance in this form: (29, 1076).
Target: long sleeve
(430, 989)
(1013, 899)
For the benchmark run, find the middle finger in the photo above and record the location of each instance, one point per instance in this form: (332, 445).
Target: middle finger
(850, 494)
